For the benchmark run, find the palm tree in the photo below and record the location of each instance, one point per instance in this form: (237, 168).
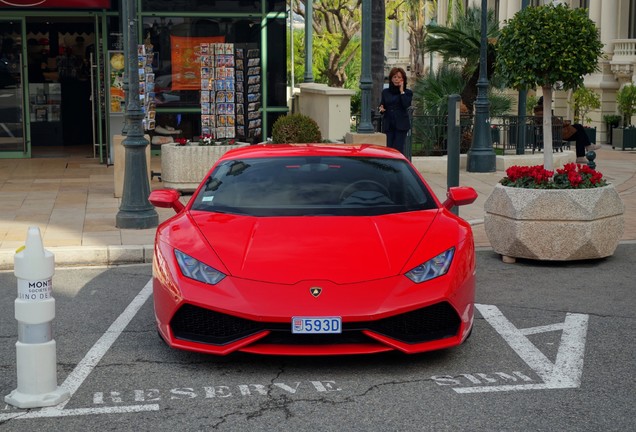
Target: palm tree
(460, 43)
(431, 103)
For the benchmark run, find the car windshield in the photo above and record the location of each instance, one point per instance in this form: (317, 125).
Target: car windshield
(313, 186)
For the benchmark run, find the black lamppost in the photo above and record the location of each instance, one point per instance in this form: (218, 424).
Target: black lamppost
(135, 210)
(481, 157)
(309, 35)
(521, 111)
(366, 82)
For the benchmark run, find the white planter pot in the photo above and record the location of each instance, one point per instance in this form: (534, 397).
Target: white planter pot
(554, 224)
(183, 167)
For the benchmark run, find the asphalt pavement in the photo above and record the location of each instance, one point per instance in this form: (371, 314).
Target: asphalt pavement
(551, 350)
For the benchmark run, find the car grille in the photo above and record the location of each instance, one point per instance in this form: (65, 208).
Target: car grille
(197, 324)
(203, 325)
(434, 322)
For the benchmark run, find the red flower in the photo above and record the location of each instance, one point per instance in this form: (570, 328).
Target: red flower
(571, 176)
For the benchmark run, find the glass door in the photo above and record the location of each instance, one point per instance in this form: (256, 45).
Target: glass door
(13, 123)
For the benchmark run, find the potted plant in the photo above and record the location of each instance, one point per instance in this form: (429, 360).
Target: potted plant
(573, 214)
(295, 128)
(583, 101)
(541, 214)
(625, 137)
(611, 121)
(545, 45)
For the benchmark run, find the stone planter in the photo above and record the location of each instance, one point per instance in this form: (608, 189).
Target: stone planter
(183, 167)
(554, 224)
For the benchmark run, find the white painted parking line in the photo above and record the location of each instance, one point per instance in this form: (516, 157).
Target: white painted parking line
(564, 373)
(88, 363)
(49, 413)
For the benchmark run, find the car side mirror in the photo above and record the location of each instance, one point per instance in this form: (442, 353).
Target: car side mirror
(459, 196)
(166, 198)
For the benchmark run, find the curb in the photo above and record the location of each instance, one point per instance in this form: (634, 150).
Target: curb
(82, 256)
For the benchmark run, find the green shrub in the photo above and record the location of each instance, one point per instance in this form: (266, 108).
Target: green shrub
(626, 100)
(295, 128)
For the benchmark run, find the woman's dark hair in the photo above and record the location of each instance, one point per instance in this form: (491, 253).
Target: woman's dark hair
(395, 71)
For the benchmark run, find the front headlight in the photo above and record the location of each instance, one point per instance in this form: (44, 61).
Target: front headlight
(196, 270)
(436, 266)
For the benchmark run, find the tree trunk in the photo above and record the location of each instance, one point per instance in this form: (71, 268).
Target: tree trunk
(548, 162)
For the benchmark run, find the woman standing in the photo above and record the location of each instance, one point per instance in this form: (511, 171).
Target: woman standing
(396, 99)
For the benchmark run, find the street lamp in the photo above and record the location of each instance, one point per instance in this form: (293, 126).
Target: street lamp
(309, 42)
(366, 82)
(135, 210)
(432, 23)
(481, 157)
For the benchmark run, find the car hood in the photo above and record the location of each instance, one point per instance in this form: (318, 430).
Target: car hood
(287, 250)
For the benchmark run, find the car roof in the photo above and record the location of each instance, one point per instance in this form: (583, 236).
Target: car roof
(285, 150)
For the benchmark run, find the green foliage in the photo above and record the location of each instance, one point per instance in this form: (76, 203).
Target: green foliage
(543, 45)
(583, 101)
(531, 102)
(430, 100)
(299, 58)
(461, 41)
(335, 44)
(612, 120)
(356, 102)
(430, 93)
(295, 128)
(626, 101)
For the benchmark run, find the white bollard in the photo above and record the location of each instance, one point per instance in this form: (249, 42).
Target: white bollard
(36, 361)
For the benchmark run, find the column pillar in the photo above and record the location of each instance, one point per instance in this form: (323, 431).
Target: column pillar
(609, 27)
(514, 6)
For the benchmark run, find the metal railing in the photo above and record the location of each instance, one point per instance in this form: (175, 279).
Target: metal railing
(428, 134)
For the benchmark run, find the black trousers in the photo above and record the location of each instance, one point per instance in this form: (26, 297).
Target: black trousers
(581, 139)
(396, 139)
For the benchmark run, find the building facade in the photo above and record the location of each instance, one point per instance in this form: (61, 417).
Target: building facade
(615, 19)
(205, 67)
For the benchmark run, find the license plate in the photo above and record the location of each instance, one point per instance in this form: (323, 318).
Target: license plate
(316, 325)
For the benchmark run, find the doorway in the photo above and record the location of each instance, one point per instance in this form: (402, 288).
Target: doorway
(60, 103)
(12, 131)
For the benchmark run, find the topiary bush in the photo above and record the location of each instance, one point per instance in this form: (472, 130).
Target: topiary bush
(295, 128)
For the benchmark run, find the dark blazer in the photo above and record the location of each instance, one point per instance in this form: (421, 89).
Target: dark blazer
(396, 116)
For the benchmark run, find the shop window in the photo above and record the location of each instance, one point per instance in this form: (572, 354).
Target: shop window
(212, 6)
(177, 65)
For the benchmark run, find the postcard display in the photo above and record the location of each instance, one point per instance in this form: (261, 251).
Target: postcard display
(248, 93)
(218, 113)
(230, 91)
(147, 85)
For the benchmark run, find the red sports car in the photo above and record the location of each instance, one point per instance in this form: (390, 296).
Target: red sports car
(314, 249)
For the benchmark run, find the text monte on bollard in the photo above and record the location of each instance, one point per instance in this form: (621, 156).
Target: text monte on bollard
(36, 361)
